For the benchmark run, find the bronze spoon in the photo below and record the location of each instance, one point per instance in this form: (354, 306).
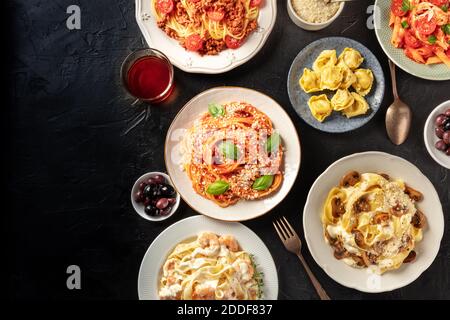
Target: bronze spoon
(398, 115)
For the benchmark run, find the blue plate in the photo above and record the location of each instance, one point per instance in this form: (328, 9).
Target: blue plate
(336, 122)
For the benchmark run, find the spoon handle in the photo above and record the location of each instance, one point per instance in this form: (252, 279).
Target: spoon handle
(393, 79)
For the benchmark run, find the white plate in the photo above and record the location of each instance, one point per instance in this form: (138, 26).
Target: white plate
(431, 139)
(160, 248)
(243, 210)
(195, 63)
(362, 279)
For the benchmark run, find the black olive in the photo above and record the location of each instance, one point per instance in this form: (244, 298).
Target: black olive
(148, 190)
(151, 210)
(167, 190)
(447, 126)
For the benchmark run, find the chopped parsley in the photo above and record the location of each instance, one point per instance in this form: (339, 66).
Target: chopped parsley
(444, 8)
(446, 28)
(432, 39)
(405, 24)
(406, 5)
(258, 276)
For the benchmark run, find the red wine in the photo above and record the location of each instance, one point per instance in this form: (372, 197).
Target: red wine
(148, 78)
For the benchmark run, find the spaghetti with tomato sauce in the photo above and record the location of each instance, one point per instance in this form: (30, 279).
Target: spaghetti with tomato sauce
(422, 29)
(231, 153)
(207, 26)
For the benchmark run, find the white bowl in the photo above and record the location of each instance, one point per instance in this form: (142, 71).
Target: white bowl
(311, 26)
(192, 61)
(139, 207)
(363, 279)
(243, 210)
(150, 270)
(431, 139)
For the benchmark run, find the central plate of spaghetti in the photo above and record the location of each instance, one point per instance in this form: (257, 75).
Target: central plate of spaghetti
(206, 36)
(232, 153)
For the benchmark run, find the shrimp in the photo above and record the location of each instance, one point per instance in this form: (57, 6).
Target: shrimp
(208, 239)
(204, 292)
(229, 242)
(244, 268)
(169, 266)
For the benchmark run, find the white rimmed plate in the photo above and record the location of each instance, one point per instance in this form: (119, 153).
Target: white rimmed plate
(149, 273)
(243, 210)
(362, 279)
(195, 63)
(431, 139)
(384, 34)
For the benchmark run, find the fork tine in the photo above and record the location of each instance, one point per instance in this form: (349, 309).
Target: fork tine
(278, 231)
(288, 231)
(290, 227)
(283, 231)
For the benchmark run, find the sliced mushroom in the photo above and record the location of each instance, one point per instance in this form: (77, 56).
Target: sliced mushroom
(340, 252)
(380, 217)
(361, 205)
(359, 260)
(413, 194)
(331, 240)
(372, 258)
(386, 176)
(411, 257)
(398, 210)
(419, 220)
(365, 259)
(337, 207)
(359, 238)
(350, 179)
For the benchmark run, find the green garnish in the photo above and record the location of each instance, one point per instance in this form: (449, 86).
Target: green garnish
(229, 150)
(405, 24)
(446, 28)
(262, 183)
(218, 187)
(258, 276)
(444, 8)
(216, 110)
(432, 39)
(273, 143)
(406, 5)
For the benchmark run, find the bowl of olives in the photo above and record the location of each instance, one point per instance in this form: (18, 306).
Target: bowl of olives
(154, 197)
(437, 134)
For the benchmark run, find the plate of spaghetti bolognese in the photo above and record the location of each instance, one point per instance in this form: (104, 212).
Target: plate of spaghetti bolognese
(232, 153)
(206, 36)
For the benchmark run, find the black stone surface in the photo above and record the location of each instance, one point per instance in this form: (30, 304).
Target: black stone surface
(69, 172)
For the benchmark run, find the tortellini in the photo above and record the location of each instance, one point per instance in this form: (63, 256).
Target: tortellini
(325, 58)
(342, 99)
(331, 77)
(364, 81)
(320, 107)
(359, 106)
(351, 57)
(310, 81)
(340, 75)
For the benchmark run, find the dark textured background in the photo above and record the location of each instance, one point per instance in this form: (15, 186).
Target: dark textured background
(69, 172)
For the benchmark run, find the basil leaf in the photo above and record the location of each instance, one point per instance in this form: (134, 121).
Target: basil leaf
(406, 5)
(446, 28)
(444, 8)
(216, 110)
(273, 143)
(229, 150)
(432, 39)
(262, 183)
(218, 187)
(405, 24)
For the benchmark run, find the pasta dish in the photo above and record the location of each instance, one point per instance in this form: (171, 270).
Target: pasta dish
(207, 26)
(371, 221)
(339, 74)
(422, 29)
(211, 267)
(232, 152)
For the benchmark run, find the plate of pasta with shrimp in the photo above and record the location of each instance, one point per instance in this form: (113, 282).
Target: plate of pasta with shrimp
(373, 222)
(232, 153)
(199, 258)
(415, 35)
(206, 36)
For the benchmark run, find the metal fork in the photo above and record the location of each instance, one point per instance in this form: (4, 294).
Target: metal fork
(293, 244)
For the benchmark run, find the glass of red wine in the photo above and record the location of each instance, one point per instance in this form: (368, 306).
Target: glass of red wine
(147, 75)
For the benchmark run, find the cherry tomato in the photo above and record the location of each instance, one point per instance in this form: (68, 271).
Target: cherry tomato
(255, 3)
(232, 43)
(426, 51)
(193, 42)
(215, 15)
(396, 8)
(164, 6)
(439, 3)
(424, 26)
(411, 40)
